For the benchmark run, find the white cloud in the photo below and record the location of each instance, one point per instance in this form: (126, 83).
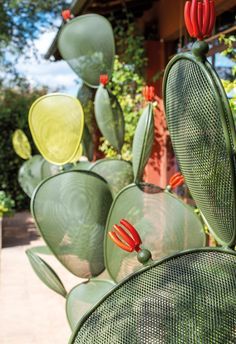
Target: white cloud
(41, 72)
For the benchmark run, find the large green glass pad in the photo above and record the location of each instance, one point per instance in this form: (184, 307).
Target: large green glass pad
(187, 298)
(87, 44)
(70, 210)
(165, 224)
(118, 173)
(83, 297)
(203, 136)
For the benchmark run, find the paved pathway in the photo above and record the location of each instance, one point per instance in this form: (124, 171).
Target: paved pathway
(30, 313)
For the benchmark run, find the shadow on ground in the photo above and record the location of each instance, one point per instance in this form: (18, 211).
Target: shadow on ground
(19, 230)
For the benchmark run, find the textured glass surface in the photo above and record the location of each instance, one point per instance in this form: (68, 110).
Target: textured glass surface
(194, 122)
(143, 141)
(70, 210)
(56, 123)
(87, 44)
(45, 272)
(83, 297)
(165, 224)
(118, 173)
(30, 174)
(186, 299)
(109, 116)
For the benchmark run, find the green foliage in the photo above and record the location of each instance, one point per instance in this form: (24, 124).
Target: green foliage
(14, 107)
(23, 20)
(6, 204)
(127, 81)
(230, 85)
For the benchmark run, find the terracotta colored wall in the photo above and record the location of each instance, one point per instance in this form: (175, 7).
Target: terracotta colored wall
(161, 164)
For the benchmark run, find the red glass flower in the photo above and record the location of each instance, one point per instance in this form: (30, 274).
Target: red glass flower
(125, 241)
(176, 180)
(104, 79)
(149, 93)
(66, 15)
(199, 18)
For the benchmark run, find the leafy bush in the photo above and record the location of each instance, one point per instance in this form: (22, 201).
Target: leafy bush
(230, 85)
(6, 204)
(14, 108)
(127, 81)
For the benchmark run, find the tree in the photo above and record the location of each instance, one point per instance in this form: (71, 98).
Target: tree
(21, 22)
(14, 108)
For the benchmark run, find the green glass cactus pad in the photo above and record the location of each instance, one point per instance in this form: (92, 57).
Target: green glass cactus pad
(56, 122)
(30, 174)
(165, 224)
(118, 173)
(33, 171)
(21, 144)
(49, 169)
(70, 210)
(187, 298)
(46, 274)
(82, 165)
(143, 141)
(109, 116)
(204, 139)
(83, 297)
(87, 44)
(87, 143)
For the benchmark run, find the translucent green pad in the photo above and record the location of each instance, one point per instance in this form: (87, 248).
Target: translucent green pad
(21, 144)
(143, 141)
(87, 44)
(30, 174)
(88, 145)
(56, 123)
(70, 210)
(188, 298)
(118, 173)
(33, 171)
(203, 135)
(83, 297)
(109, 116)
(46, 274)
(165, 224)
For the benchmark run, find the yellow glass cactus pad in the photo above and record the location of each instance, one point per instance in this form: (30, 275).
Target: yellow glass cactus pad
(21, 144)
(56, 122)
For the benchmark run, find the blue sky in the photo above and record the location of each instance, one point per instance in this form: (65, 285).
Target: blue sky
(55, 75)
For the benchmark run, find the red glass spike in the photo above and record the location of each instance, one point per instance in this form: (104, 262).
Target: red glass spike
(206, 17)
(119, 243)
(212, 18)
(133, 232)
(194, 18)
(200, 15)
(124, 236)
(187, 18)
(104, 79)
